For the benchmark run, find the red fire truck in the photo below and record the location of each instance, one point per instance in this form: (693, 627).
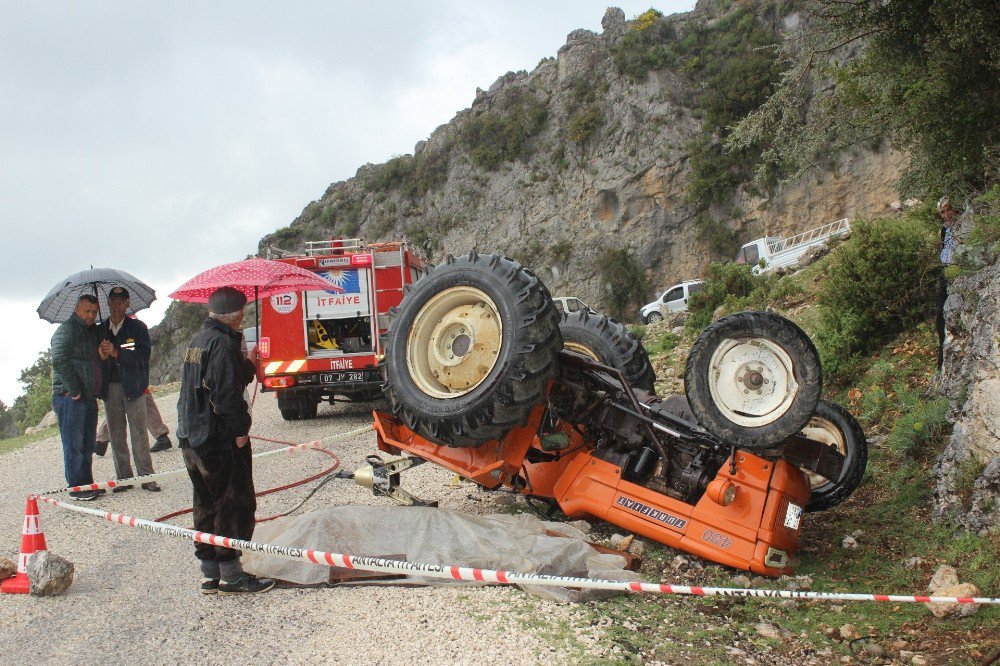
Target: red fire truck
(316, 345)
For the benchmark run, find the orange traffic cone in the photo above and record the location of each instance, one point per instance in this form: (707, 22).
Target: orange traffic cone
(32, 540)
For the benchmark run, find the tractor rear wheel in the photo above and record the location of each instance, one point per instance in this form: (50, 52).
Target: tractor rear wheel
(470, 350)
(609, 342)
(833, 425)
(753, 379)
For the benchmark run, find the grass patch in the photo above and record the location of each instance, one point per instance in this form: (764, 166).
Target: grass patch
(15, 443)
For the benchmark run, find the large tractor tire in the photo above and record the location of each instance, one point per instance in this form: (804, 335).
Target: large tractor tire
(833, 425)
(753, 379)
(608, 342)
(470, 350)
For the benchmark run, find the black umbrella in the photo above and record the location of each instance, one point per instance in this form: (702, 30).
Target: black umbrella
(60, 303)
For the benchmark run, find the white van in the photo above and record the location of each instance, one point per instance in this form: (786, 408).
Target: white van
(674, 299)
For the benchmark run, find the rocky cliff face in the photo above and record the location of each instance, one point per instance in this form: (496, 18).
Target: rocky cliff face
(600, 161)
(968, 472)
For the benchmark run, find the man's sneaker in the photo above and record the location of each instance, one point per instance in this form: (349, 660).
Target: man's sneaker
(210, 586)
(151, 486)
(248, 584)
(87, 495)
(121, 489)
(100, 448)
(162, 443)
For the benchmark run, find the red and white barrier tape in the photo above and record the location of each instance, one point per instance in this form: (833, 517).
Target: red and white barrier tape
(183, 470)
(493, 576)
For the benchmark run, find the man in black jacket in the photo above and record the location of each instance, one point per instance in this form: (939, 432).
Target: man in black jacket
(126, 341)
(213, 432)
(78, 369)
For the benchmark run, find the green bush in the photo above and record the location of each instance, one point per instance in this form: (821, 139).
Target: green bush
(493, 137)
(918, 429)
(717, 236)
(986, 228)
(413, 175)
(624, 280)
(665, 344)
(644, 48)
(561, 252)
(585, 123)
(879, 282)
(731, 285)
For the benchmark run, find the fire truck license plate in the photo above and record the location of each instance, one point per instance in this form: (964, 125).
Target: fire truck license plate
(332, 377)
(792, 516)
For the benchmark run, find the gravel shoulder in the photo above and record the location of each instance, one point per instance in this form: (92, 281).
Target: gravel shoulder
(135, 597)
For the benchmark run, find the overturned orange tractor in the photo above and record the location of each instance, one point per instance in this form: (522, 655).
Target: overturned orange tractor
(486, 378)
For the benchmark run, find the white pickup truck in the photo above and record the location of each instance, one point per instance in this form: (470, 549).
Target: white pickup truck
(769, 253)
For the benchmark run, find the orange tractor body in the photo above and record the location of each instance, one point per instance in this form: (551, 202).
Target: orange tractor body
(747, 519)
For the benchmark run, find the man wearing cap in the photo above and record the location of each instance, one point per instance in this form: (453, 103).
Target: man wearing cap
(213, 426)
(126, 342)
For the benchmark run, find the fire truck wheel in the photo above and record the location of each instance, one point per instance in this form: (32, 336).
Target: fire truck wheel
(609, 342)
(308, 407)
(834, 425)
(470, 350)
(753, 379)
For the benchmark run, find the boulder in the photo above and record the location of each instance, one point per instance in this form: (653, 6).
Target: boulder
(7, 568)
(945, 583)
(48, 421)
(49, 574)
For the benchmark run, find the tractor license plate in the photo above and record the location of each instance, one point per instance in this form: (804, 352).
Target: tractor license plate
(334, 377)
(793, 516)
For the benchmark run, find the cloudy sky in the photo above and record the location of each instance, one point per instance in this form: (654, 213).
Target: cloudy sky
(165, 138)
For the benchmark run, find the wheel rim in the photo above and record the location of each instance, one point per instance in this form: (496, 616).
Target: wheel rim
(454, 342)
(826, 432)
(752, 381)
(654, 317)
(580, 348)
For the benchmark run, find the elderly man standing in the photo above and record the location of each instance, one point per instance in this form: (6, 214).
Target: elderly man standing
(78, 367)
(213, 432)
(126, 342)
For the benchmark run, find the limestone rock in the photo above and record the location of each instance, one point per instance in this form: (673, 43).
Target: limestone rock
(945, 584)
(7, 568)
(850, 543)
(768, 630)
(49, 574)
(848, 632)
(971, 381)
(945, 576)
(48, 421)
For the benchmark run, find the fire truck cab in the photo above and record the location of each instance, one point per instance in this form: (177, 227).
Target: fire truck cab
(317, 345)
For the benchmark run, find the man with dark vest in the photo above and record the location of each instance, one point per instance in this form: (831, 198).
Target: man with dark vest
(126, 342)
(213, 427)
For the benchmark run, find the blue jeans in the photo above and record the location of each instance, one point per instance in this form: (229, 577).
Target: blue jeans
(78, 430)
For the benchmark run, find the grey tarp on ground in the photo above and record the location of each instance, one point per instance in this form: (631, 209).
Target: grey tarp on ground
(516, 543)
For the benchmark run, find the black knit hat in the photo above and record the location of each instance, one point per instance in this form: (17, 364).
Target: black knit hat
(226, 300)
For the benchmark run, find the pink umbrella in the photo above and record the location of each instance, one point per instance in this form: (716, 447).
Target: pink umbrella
(256, 278)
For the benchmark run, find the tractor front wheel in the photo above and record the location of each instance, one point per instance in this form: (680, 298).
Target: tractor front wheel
(753, 379)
